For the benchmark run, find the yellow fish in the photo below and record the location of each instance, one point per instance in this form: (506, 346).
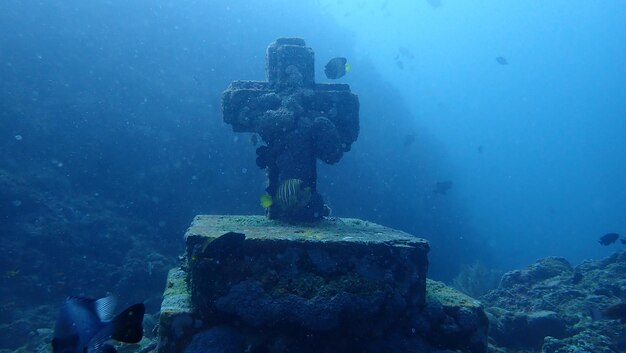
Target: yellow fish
(11, 274)
(266, 201)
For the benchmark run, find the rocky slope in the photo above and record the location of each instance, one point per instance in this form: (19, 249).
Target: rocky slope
(553, 307)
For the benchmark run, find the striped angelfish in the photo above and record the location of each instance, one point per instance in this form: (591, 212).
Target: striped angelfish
(292, 194)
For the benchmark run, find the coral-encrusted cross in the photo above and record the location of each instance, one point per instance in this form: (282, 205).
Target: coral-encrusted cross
(298, 120)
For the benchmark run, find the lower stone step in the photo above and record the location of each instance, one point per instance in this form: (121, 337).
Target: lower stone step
(341, 285)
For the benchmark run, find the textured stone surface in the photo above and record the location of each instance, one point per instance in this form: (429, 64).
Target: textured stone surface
(176, 321)
(298, 121)
(345, 285)
(452, 319)
(551, 306)
(268, 273)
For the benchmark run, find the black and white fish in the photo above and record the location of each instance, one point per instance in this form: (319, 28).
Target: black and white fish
(85, 325)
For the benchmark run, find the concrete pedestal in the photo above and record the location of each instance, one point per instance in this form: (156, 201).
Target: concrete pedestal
(343, 285)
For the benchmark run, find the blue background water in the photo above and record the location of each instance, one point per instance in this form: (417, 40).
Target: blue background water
(113, 107)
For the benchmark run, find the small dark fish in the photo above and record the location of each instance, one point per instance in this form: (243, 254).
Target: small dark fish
(480, 149)
(615, 312)
(442, 187)
(577, 278)
(409, 139)
(608, 239)
(594, 312)
(406, 53)
(623, 240)
(502, 60)
(254, 140)
(434, 3)
(399, 63)
(85, 325)
(227, 245)
(336, 68)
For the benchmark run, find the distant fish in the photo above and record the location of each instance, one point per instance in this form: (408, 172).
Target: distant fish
(254, 140)
(399, 62)
(336, 68)
(616, 312)
(409, 139)
(577, 277)
(85, 325)
(608, 239)
(434, 3)
(480, 148)
(594, 312)
(406, 53)
(502, 60)
(623, 240)
(442, 187)
(292, 194)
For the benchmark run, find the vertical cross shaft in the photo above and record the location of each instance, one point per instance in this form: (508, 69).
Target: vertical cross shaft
(299, 121)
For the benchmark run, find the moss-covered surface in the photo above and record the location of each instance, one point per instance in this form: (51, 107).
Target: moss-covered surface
(176, 318)
(448, 296)
(310, 285)
(176, 297)
(348, 230)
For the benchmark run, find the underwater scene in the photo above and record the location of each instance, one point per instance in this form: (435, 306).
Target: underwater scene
(312, 176)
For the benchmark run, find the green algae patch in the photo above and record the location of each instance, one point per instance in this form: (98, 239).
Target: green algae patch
(176, 297)
(348, 230)
(448, 296)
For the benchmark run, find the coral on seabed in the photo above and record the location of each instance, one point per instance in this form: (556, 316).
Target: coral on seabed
(553, 307)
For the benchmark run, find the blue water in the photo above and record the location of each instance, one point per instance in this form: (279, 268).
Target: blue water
(117, 104)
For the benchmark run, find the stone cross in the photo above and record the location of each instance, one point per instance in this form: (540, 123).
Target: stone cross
(298, 120)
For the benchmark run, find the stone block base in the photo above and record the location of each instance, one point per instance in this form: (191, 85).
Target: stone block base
(342, 285)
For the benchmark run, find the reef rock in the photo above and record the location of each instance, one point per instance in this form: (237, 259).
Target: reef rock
(552, 307)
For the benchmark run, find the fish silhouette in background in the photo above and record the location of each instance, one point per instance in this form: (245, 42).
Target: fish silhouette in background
(502, 60)
(608, 239)
(442, 187)
(434, 3)
(86, 325)
(409, 139)
(616, 312)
